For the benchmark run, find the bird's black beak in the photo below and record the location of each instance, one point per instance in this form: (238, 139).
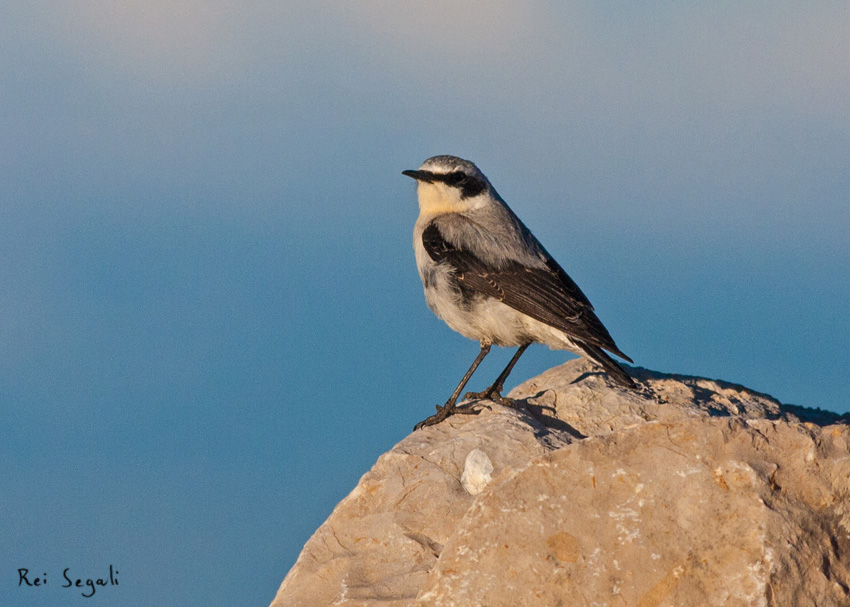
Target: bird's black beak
(426, 176)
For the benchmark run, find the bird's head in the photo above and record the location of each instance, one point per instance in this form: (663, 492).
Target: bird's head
(448, 184)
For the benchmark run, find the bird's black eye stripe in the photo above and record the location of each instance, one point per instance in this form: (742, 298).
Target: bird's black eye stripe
(456, 179)
(468, 185)
(472, 187)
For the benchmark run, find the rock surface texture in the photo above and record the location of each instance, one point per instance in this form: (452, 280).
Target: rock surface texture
(688, 492)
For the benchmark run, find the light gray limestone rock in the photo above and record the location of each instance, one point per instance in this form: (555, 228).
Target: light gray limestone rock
(701, 512)
(380, 542)
(688, 492)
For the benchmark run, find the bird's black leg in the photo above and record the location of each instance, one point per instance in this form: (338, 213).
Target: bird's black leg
(494, 392)
(449, 408)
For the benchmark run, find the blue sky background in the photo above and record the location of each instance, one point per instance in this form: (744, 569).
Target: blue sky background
(211, 323)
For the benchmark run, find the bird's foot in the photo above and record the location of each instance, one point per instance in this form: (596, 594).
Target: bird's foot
(488, 394)
(491, 395)
(442, 413)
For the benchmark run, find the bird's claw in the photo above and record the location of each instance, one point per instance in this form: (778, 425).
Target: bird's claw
(493, 396)
(505, 401)
(443, 412)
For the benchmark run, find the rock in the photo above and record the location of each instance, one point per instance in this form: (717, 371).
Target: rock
(688, 492)
(380, 542)
(703, 512)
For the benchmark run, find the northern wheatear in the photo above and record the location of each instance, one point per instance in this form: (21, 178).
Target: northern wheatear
(489, 279)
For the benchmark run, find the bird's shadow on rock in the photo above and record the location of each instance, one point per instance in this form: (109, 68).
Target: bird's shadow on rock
(587, 375)
(545, 415)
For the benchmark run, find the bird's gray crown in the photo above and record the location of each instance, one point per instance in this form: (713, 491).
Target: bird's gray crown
(450, 164)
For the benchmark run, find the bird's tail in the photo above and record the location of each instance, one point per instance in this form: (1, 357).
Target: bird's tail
(614, 371)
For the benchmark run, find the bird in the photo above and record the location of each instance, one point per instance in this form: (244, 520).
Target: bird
(488, 278)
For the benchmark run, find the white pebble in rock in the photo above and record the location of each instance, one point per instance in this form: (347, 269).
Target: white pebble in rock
(476, 472)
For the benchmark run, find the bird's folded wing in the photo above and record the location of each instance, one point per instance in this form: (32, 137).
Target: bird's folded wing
(545, 293)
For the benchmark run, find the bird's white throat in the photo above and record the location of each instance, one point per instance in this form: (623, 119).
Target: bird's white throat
(436, 199)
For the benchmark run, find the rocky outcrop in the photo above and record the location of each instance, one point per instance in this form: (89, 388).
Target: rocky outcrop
(688, 492)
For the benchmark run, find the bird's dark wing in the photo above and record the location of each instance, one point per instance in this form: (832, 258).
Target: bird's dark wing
(546, 294)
